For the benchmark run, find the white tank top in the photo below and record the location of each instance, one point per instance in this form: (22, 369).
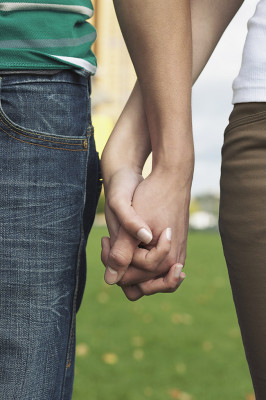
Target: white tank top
(250, 84)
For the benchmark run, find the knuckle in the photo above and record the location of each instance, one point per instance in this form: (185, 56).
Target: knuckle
(150, 265)
(170, 260)
(165, 249)
(123, 282)
(113, 202)
(119, 258)
(145, 289)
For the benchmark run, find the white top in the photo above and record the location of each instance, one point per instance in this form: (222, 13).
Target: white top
(250, 84)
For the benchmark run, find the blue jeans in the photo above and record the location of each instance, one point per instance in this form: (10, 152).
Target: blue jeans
(49, 188)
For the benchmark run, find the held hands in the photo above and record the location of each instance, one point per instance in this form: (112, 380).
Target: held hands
(143, 255)
(162, 202)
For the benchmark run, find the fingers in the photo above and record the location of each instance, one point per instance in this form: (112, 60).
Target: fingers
(106, 246)
(133, 293)
(118, 257)
(166, 284)
(129, 219)
(112, 223)
(125, 252)
(149, 260)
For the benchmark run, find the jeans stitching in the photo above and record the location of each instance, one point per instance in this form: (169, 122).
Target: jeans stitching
(90, 130)
(73, 320)
(47, 147)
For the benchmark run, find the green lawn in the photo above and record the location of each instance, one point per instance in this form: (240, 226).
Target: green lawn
(183, 346)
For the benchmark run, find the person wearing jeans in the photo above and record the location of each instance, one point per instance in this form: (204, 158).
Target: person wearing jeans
(50, 182)
(49, 188)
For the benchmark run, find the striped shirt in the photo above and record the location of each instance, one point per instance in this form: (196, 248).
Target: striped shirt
(50, 34)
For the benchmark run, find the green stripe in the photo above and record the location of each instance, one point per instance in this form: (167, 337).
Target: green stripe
(84, 3)
(37, 43)
(20, 59)
(7, 7)
(43, 25)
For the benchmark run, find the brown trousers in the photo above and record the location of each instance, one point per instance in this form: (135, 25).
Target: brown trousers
(242, 225)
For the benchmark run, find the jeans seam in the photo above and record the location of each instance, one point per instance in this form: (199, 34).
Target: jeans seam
(17, 130)
(73, 318)
(40, 145)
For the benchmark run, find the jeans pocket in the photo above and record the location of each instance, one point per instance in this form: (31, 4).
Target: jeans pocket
(45, 112)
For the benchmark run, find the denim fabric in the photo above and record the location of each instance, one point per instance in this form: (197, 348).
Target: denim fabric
(49, 188)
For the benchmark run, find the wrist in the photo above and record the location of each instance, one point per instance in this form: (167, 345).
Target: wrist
(119, 160)
(174, 152)
(179, 177)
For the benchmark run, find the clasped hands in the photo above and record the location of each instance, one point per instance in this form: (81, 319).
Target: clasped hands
(147, 221)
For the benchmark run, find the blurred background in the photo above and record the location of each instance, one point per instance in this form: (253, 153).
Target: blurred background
(187, 345)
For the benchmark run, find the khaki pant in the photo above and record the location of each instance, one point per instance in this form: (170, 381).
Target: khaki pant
(242, 224)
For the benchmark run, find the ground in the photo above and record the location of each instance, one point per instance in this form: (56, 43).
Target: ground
(183, 346)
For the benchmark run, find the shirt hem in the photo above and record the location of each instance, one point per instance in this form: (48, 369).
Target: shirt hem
(249, 95)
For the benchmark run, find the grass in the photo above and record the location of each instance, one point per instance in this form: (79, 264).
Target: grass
(184, 346)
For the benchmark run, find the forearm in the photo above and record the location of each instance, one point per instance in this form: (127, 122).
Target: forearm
(209, 19)
(158, 38)
(131, 137)
(129, 144)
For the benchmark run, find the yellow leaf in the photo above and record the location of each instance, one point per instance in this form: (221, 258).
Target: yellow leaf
(250, 396)
(179, 395)
(110, 358)
(82, 350)
(103, 297)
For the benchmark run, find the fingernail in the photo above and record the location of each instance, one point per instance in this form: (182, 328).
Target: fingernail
(182, 275)
(169, 234)
(178, 269)
(144, 235)
(110, 276)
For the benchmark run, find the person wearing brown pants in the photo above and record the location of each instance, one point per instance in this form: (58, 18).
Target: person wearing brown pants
(242, 226)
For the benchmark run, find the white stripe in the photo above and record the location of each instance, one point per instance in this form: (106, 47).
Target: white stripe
(78, 61)
(39, 6)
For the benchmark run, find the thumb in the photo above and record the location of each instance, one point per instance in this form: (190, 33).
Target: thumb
(120, 256)
(130, 220)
